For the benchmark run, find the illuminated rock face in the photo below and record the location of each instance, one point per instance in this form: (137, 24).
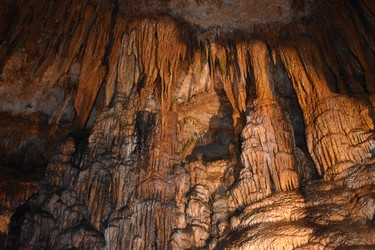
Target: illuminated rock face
(174, 133)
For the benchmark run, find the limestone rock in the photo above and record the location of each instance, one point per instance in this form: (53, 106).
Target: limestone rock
(187, 124)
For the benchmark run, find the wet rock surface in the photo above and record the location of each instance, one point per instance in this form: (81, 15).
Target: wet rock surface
(162, 129)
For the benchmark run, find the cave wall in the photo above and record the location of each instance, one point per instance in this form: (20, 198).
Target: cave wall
(166, 128)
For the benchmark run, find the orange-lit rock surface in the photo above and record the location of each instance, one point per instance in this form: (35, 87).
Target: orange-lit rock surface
(187, 124)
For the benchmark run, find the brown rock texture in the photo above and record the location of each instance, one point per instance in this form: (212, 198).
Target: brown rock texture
(187, 124)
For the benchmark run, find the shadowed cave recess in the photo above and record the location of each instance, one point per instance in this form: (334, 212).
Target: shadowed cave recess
(187, 124)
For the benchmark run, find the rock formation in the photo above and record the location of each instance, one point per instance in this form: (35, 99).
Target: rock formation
(187, 124)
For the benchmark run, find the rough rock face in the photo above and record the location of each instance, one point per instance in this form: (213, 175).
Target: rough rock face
(13, 193)
(166, 126)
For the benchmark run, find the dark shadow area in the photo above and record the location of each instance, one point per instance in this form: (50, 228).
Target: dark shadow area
(287, 99)
(3, 238)
(144, 124)
(12, 240)
(215, 143)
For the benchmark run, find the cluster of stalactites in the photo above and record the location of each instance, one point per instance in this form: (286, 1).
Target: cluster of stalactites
(155, 53)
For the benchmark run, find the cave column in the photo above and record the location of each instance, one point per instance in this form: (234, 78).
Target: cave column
(339, 129)
(268, 140)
